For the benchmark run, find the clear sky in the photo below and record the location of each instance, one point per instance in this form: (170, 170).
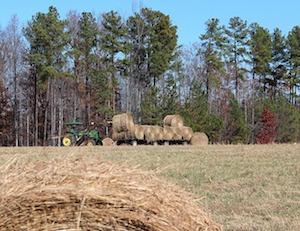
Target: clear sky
(188, 15)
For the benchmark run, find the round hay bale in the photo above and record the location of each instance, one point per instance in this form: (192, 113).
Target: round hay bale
(129, 134)
(90, 194)
(175, 121)
(108, 142)
(168, 133)
(187, 133)
(149, 133)
(122, 122)
(199, 139)
(176, 133)
(114, 134)
(167, 120)
(138, 132)
(158, 131)
(117, 135)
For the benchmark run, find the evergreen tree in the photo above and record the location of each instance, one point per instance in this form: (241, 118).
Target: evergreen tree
(237, 50)
(261, 52)
(197, 116)
(195, 109)
(260, 58)
(293, 80)
(112, 45)
(279, 63)
(170, 96)
(288, 121)
(87, 36)
(212, 42)
(151, 107)
(153, 41)
(237, 130)
(161, 43)
(47, 40)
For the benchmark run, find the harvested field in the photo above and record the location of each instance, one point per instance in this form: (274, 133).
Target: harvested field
(253, 187)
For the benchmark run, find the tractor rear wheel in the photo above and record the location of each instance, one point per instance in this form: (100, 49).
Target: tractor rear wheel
(68, 140)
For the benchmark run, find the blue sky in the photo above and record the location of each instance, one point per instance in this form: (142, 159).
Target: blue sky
(188, 15)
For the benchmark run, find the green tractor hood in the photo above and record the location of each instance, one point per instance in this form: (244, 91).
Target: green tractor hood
(73, 123)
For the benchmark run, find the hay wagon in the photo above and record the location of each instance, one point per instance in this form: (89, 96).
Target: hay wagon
(126, 132)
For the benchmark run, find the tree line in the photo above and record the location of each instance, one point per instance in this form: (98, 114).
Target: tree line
(237, 82)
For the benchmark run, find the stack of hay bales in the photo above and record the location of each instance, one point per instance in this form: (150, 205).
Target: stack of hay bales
(173, 130)
(122, 126)
(91, 194)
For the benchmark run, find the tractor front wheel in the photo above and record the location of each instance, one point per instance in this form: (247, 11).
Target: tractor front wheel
(68, 140)
(91, 142)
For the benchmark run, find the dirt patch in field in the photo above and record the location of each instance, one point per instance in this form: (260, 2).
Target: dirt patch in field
(92, 194)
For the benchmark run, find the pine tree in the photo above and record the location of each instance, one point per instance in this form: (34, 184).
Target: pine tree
(87, 36)
(237, 50)
(113, 49)
(260, 58)
(170, 96)
(151, 112)
(293, 80)
(236, 128)
(279, 63)
(288, 120)
(268, 131)
(261, 52)
(153, 41)
(212, 42)
(47, 40)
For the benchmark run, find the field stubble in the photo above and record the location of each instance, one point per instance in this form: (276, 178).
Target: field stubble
(242, 187)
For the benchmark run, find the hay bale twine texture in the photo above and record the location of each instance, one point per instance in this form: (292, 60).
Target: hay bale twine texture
(85, 194)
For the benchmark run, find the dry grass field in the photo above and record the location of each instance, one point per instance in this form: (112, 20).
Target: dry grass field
(242, 187)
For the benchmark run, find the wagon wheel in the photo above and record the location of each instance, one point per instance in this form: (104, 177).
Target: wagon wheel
(68, 140)
(134, 143)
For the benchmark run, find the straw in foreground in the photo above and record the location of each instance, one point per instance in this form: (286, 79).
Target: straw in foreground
(91, 194)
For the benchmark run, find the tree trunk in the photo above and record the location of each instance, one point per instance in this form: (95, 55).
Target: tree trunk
(253, 110)
(61, 117)
(36, 118)
(28, 130)
(53, 117)
(46, 111)
(16, 106)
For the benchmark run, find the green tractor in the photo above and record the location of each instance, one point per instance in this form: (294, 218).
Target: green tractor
(80, 138)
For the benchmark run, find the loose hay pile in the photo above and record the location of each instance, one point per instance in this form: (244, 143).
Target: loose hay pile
(84, 194)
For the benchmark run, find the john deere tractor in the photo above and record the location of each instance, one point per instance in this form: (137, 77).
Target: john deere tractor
(80, 138)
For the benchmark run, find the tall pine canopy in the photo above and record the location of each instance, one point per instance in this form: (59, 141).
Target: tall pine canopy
(88, 67)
